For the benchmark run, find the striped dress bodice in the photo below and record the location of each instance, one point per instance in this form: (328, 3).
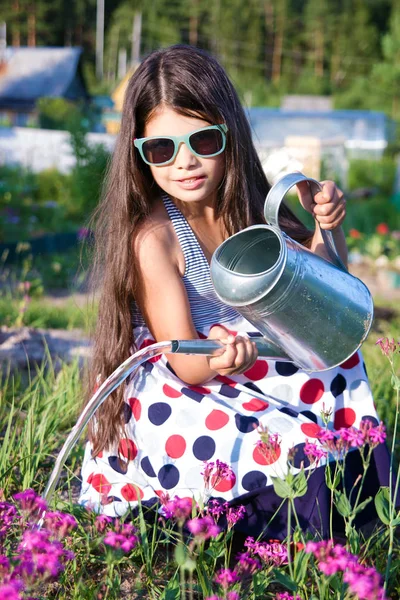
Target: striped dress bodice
(206, 308)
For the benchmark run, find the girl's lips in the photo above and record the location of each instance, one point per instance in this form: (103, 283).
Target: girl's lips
(191, 183)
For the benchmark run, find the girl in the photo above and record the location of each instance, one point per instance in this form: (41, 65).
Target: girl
(184, 177)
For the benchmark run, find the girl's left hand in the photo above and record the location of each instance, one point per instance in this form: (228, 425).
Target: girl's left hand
(327, 207)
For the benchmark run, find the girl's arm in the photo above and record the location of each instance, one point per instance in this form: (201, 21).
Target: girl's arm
(329, 210)
(162, 299)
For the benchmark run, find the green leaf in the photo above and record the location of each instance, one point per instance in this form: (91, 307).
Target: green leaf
(362, 505)
(180, 554)
(383, 504)
(331, 483)
(300, 565)
(285, 580)
(281, 487)
(395, 382)
(299, 485)
(396, 521)
(342, 504)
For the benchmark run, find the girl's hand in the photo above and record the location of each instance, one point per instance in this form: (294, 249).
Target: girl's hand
(327, 207)
(240, 352)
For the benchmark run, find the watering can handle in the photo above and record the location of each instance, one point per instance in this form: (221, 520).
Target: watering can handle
(275, 197)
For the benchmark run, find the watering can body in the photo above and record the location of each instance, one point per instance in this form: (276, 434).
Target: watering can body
(312, 310)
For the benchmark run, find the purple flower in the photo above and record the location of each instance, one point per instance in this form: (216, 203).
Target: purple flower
(203, 528)
(331, 557)
(314, 452)
(30, 502)
(226, 578)
(234, 514)
(364, 582)
(352, 437)
(4, 566)
(83, 233)
(8, 513)
(286, 596)
(214, 473)
(120, 541)
(247, 565)
(10, 591)
(387, 346)
(40, 556)
(215, 508)
(101, 523)
(179, 509)
(232, 596)
(273, 553)
(60, 524)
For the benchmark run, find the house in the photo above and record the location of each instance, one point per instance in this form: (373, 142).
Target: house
(27, 74)
(112, 117)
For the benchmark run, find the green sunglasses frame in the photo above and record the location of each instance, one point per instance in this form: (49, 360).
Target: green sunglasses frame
(178, 140)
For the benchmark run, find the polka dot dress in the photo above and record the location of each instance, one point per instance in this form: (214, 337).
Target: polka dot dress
(172, 427)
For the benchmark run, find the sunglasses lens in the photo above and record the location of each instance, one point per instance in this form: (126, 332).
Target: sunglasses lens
(207, 142)
(158, 151)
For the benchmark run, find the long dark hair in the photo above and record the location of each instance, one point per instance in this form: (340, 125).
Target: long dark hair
(193, 83)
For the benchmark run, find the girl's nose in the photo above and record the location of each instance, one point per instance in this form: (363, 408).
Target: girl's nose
(184, 158)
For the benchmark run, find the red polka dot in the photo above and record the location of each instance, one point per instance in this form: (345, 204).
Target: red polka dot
(149, 342)
(231, 331)
(99, 482)
(127, 449)
(100, 454)
(202, 336)
(344, 417)
(171, 392)
(257, 371)
(131, 492)
(226, 380)
(216, 420)
(255, 404)
(225, 484)
(311, 429)
(136, 407)
(312, 391)
(266, 457)
(175, 446)
(199, 389)
(351, 362)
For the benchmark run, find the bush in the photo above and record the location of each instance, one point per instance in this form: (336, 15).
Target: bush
(56, 113)
(375, 174)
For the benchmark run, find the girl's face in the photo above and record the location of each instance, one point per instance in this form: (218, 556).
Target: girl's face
(188, 178)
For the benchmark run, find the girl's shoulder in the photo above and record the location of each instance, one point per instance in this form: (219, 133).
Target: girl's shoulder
(155, 237)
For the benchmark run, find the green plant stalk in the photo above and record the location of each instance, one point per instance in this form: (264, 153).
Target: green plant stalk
(392, 498)
(289, 531)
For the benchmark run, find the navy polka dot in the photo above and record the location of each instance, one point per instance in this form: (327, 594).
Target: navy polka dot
(127, 412)
(148, 366)
(373, 420)
(289, 411)
(338, 385)
(168, 476)
(255, 334)
(147, 467)
(285, 368)
(110, 499)
(253, 480)
(252, 386)
(300, 457)
(170, 368)
(229, 391)
(310, 415)
(118, 465)
(204, 447)
(192, 394)
(159, 412)
(246, 424)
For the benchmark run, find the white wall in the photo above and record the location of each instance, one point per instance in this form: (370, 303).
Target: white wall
(40, 149)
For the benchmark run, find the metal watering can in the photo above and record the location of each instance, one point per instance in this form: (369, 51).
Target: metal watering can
(312, 310)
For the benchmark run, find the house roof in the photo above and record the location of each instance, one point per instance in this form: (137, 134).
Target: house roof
(27, 74)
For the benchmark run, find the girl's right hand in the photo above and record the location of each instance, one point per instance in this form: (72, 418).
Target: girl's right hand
(240, 352)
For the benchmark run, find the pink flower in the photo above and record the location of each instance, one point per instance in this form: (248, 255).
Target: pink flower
(226, 578)
(120, 541)
(314, 452)
(273, 553)
(387, 346)
(355, 234)
(214, 473)
(247, 565)
(331, 557)
(234, 514)
(179, 509)
(377, 435)
(215, 508)
(232, 596)
(30, 502)
(203, 528)
(101, 523)
(355, 438)
(364, 582)
(8, 513)
(60, 524)
(10, 591)
(286, 596)
(83, 233)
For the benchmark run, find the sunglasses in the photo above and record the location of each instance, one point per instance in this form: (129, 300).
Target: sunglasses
(206, 142)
